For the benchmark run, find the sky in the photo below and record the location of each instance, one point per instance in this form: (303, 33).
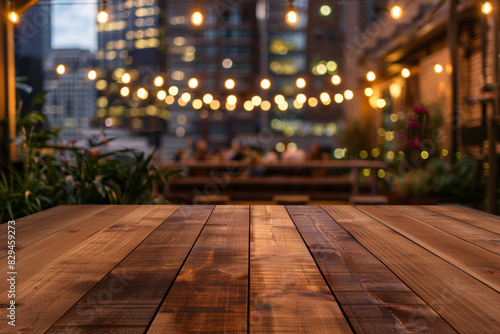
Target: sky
(74, 26)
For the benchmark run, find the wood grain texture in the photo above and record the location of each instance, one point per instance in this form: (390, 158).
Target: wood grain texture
(372, 297)
(37, 226)
(37, 255)
(134, 290)
(467, 232)
(464, 302)
(287, 291)
(476, 261)
(48, 294)
(473, 217)
(210, 292)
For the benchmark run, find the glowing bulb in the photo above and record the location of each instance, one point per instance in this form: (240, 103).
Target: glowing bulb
(142, 93)
(370, 76)
(348, 94)
(396, 12)
(292, 18)
(208, 98)
(405, 72)
(197, 18)
(368, 91)
(336, 79)
(158, 81)
(193, 83)
(102, 17)
(229, 84)
(124, 91)
(92, 75)
(126, 78)
(162, 95)
(60, 69)
(301, 82)
(256, 100)
(486, 8)
(265, 84)
(338, 98)
(438, 68)
(231, 99)
(381, 103)
(13, 17)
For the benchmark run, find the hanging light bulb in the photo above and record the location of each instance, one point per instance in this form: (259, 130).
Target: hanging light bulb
(486, 8)
(102, 16)
(12, 16)
(396, 11)
(291, 18)
(197, 18)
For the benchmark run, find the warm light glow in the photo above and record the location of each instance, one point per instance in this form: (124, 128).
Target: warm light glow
(265, 105)
(338, 98)
(324, 97)
(13, 17)
(381, 103)
(396, 12)
(161, 95)
(230, 107)
(102, 17)
(158, 81)
(142, 93)
(370, 76)
(207, 98)
(279, 99)
(197, 18)
(215, 104)
(313, 102)
(438, 68)
(173, 90)
(185, 97)
(291, 18)
(336, 79)
(193, 83)
(197, 104)
(301, 98)
(368, 91)
(231, 99)
(256, 100)
(348, 94)
(248, 105)
(300, 83)
(124, 91)
(229, 84)
(325, 10)
(265, 84)
(405, 73)
(92, 75)
(61, 69)
(126, 78)
(486, 8)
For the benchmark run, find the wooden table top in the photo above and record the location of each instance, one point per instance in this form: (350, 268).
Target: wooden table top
(273, 269)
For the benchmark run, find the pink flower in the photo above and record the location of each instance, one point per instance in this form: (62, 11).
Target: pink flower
(420, 110)
(414, 143)
(411, 117)
(414, 125)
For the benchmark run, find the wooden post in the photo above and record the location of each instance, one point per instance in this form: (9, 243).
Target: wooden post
(7, 86)
(452, 45)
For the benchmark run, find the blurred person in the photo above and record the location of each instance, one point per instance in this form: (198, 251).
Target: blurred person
(200, 152)
(314, 152)
(292, 153)
(271, 156)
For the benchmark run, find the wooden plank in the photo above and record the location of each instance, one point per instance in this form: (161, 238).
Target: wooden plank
(473, 217)
(127, 298)
(48, 294)
(373, 298)
(37, 226)
(210, 292)
(36, 256)
(470, 233)
(476, 261)
(464, 302)
(287, 292)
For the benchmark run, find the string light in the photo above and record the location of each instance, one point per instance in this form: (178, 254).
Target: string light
(126, 78)
(486, 8)
(336, 80)
(291, 18)
(396, 12)
(370, 76)
(92, 75)
(265, 84)
(60, 69)
(12, 16)
(103, 16)
(405, 73)
(197, 18)
(229, 84)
